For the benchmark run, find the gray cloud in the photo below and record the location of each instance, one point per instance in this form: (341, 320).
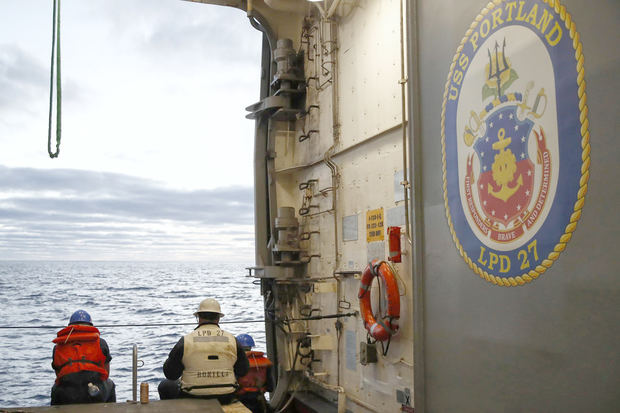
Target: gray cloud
(83, 195)
(45, 213)
(176, 28)
(22, 77)
(24, 82)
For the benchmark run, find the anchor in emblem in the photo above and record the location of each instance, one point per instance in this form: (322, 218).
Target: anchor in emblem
(504, 167)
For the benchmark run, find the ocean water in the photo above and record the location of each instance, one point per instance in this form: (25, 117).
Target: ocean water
(114, 293)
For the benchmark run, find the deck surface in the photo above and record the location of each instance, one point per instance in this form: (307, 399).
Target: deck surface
(156, 406)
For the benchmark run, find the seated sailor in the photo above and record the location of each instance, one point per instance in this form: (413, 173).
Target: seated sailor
(208, 360)
(81, 360)
(252, 386)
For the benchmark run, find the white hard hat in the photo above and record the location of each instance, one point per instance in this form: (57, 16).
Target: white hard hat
(209, 305)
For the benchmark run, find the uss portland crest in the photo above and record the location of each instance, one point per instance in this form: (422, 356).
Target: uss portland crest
(515, 139)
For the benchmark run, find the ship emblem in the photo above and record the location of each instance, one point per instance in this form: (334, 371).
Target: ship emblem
(515, 177)
(504, 180)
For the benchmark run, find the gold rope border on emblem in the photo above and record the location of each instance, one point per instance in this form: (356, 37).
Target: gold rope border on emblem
(585, 153)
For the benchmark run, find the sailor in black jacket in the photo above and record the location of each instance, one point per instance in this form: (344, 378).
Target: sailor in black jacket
(206, 362)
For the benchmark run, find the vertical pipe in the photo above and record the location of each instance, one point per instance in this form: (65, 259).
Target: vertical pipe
(262, 202)
(333, 38)
(342, 402)
(263, 218)
(332, 8)
(134, 375)
(403, 85)
(416, 207)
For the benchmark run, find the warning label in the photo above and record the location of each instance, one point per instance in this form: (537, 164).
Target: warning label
(374, 225)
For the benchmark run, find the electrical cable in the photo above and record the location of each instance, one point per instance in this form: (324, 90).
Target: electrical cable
(297, 353)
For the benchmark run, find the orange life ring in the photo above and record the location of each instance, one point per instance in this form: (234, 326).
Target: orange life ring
(382, 329)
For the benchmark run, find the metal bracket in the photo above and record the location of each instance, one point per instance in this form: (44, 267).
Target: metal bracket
(275, 272)
(305, 236)
(267, 106)
(307, 184)
(307, 111)
(306, 136)
(306, 210)
(306, 258)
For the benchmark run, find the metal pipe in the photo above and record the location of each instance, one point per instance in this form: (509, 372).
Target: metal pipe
(333, 38)
(321, 10)
(256, 21)
(403, 81)
(361, 403)
(134, 373)
(321, 317)
(332, 9)
(416, 205)
(263, 205)
(305, 280)
(338, 325)
(342, 395)
(345, 273)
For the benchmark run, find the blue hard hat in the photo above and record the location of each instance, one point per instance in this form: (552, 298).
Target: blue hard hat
(246, 340)
(80, 316)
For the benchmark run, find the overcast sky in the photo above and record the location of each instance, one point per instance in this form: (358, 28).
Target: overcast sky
(156, 153)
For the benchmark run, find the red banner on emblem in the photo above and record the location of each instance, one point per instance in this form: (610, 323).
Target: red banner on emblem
(543, 157)
(470, 201)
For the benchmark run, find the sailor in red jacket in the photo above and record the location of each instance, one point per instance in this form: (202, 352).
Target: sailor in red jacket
(81, 360)
(252, 386)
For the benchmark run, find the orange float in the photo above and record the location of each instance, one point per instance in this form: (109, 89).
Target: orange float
(382, 329)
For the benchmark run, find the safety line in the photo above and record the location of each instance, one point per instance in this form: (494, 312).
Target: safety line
(133, 325)
(261, 320)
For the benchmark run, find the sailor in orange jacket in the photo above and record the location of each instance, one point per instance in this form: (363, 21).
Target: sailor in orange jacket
(81, 360)
(252, 386)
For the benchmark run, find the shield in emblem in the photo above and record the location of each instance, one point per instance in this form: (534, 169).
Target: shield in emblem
(506, 171)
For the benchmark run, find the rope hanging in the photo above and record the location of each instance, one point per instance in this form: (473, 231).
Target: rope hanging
(56, 53)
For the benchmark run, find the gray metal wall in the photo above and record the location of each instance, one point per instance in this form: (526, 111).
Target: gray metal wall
(552, 345)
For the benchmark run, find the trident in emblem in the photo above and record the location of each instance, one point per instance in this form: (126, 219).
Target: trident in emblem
(498, 70)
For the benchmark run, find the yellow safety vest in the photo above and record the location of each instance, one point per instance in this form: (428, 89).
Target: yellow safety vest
(209, 355)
